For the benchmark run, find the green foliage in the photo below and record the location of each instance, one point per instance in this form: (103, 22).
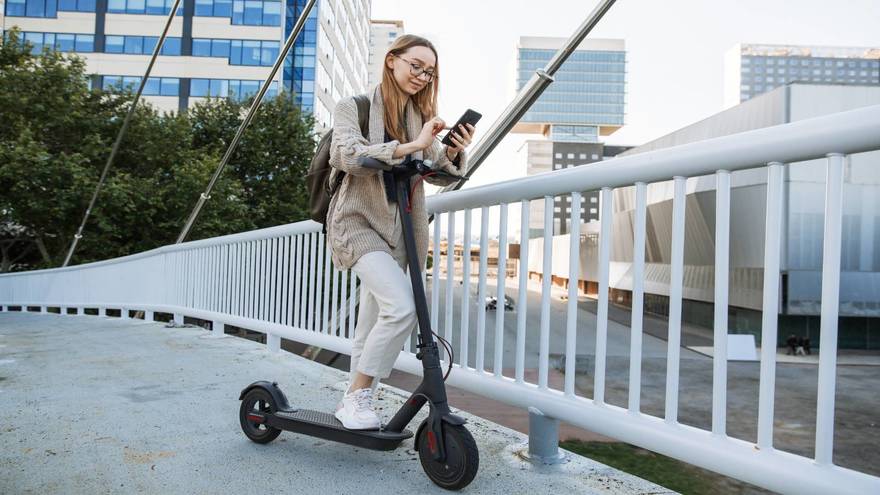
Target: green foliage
(660, 469)
(55, 138)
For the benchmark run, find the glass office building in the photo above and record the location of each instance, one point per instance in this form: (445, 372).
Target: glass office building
(215, 48)
(586, 99)
(751, 70)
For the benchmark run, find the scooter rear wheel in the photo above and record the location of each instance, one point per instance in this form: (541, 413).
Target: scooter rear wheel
(260, 402)
(462, 456)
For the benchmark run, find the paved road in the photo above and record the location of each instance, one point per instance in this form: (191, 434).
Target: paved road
(102, 405)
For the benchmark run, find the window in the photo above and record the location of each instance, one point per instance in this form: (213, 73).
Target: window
(62, 42)
(595, 156)
(558, 155)
(201, 48)
(150, 7)
(224, 88)
(582, 156)
(32, 8)
(594, 211)
(594, 199)
(134, 44)
(155, 86)
(570, 156)
(250, 53)
(114, 44)
(76, 5)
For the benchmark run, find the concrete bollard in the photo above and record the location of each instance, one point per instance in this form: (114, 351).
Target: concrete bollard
(178, 319)
(123, 313)
(218, 328)
(544, 439)
(102, 311)
(148, 315)
(273, 342)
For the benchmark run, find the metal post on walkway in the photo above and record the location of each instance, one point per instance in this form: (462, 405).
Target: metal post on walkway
(543, 439)
(273, 342)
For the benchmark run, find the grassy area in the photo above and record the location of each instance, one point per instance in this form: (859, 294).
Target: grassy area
(664, 471)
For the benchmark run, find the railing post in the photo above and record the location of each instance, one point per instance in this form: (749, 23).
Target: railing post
(273, 342)
(543, 439)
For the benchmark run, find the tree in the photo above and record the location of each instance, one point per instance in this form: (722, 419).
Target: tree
(55, 137)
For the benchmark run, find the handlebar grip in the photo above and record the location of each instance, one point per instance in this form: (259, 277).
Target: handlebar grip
(368, 162)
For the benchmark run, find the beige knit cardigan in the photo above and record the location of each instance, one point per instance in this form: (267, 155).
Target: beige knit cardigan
(360, 219)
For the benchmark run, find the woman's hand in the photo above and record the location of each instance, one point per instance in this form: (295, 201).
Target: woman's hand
(462, 138)
(428, 132)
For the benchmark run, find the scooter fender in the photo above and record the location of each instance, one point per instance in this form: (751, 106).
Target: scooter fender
(436, 425)
(453, 419)
(273, 390)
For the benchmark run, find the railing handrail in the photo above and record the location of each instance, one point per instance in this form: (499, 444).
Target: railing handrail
(847, 132)
(853, 131)
(302, 227)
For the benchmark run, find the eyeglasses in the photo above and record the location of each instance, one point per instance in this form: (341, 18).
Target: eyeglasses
(417, 70)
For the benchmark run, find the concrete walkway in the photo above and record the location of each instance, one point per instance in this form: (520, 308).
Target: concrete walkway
(103, 405)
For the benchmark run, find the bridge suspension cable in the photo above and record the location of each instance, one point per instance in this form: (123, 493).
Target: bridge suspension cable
(156, 50)
(203, 197)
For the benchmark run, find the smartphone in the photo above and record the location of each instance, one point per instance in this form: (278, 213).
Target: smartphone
(470, 117)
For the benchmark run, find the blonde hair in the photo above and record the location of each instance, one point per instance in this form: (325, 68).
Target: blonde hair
(395, 99)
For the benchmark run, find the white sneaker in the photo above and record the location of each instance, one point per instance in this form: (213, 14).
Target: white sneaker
(355, 411)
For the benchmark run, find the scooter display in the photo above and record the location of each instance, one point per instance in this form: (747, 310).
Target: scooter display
(447, 451)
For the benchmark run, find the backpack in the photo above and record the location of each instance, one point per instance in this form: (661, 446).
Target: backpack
(320, 175)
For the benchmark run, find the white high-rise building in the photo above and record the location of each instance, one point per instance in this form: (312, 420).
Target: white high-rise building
(382, 34)
(222, 48)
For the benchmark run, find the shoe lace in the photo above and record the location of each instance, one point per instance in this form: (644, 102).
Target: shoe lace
(363, 400)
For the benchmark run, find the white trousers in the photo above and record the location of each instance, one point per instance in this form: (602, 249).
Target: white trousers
(387, 315)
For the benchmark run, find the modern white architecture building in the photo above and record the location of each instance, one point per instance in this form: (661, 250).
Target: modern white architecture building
(585, 101)
(383, 33)
(750, 69)
(802, 224)
(215, 47)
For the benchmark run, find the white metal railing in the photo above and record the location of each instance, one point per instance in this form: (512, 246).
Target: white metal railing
(280, 281)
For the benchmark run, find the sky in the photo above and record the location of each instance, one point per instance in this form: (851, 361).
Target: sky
(675, 53)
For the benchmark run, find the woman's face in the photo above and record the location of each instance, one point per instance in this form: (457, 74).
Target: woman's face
(401, 65)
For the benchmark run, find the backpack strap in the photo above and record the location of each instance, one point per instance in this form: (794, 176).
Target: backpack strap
(363, 106)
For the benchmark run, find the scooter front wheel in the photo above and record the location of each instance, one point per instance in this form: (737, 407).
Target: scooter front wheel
(462, 456)
(254, 406)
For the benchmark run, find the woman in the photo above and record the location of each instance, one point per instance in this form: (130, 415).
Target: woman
(364, 228)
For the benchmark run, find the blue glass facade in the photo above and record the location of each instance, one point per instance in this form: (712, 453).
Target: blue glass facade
(299, 67)
(62, 42)
(589, 90)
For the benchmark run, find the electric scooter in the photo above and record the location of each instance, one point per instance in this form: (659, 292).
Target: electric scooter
(447, 451)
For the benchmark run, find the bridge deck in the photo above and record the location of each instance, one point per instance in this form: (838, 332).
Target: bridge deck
(101, 405)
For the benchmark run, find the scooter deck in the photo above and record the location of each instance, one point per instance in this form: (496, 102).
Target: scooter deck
(324, 425)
